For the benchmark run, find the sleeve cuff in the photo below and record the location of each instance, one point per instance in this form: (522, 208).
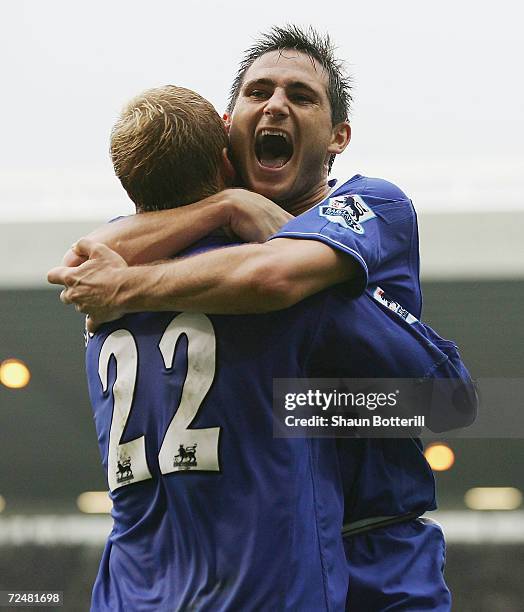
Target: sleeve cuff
(355, 286)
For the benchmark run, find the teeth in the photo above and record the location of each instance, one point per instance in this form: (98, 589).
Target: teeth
(273, 133)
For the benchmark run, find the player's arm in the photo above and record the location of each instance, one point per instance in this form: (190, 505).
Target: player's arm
(251, 278)
(244, 279)
(147, 237)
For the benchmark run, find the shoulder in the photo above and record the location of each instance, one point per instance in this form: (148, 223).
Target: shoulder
(371, 187)
(378, 198)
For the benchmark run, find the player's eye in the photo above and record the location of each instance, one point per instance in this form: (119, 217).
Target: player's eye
(258, 94)
(301, 98)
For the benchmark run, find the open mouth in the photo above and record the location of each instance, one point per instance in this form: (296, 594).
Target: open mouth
(273, 148)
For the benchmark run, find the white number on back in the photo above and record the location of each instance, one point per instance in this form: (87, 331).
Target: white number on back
(201, 350)
(125, 462)
(182, 448)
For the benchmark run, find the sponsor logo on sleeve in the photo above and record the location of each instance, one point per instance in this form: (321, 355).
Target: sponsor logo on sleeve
(381, 297)
(349, 211)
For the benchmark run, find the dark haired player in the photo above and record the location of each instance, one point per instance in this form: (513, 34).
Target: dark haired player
(288, 119)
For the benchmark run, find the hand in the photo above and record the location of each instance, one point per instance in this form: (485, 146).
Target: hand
(253, 218)
(72, 259)
(93, 287)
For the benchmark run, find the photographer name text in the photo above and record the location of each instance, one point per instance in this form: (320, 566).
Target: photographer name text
(341, 421)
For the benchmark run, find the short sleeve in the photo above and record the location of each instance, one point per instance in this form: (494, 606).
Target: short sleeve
(372, 221)
(114, 219)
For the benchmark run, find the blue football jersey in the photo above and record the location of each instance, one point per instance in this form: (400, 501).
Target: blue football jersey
(375, 223)
(210, 510)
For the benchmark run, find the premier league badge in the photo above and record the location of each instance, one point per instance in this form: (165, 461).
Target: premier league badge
(349, 211)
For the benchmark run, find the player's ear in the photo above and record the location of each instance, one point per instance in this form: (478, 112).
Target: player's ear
(227, 169)
(340, 137)
(227, 121)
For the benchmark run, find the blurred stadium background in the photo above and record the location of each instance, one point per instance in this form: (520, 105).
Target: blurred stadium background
(53, 505)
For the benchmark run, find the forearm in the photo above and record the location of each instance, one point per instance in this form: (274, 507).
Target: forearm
(147, 237)
(220, 282)
(238, 280)
(253, 278)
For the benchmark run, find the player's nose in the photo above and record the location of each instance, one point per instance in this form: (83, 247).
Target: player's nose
(277, 105)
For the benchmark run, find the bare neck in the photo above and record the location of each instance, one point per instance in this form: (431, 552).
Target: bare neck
(299, 205)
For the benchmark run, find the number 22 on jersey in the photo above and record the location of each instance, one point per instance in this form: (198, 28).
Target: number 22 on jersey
(182, 448)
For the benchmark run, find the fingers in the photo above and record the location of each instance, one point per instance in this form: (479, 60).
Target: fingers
(59, 275)
(84, 247)
(63, 275)
(88, 249)
(91, 324)
(72, 260)
(67, 298)
(64, 298)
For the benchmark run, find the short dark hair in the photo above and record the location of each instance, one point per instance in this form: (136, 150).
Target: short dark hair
(318, 47)
(167, 148)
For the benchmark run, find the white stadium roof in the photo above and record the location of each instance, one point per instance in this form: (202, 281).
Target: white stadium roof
(454, 246)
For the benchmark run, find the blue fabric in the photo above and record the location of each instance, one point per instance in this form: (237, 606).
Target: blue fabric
(263, 531)
(385, 477)
(377, 228)
(398, 569)
(381, 476)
